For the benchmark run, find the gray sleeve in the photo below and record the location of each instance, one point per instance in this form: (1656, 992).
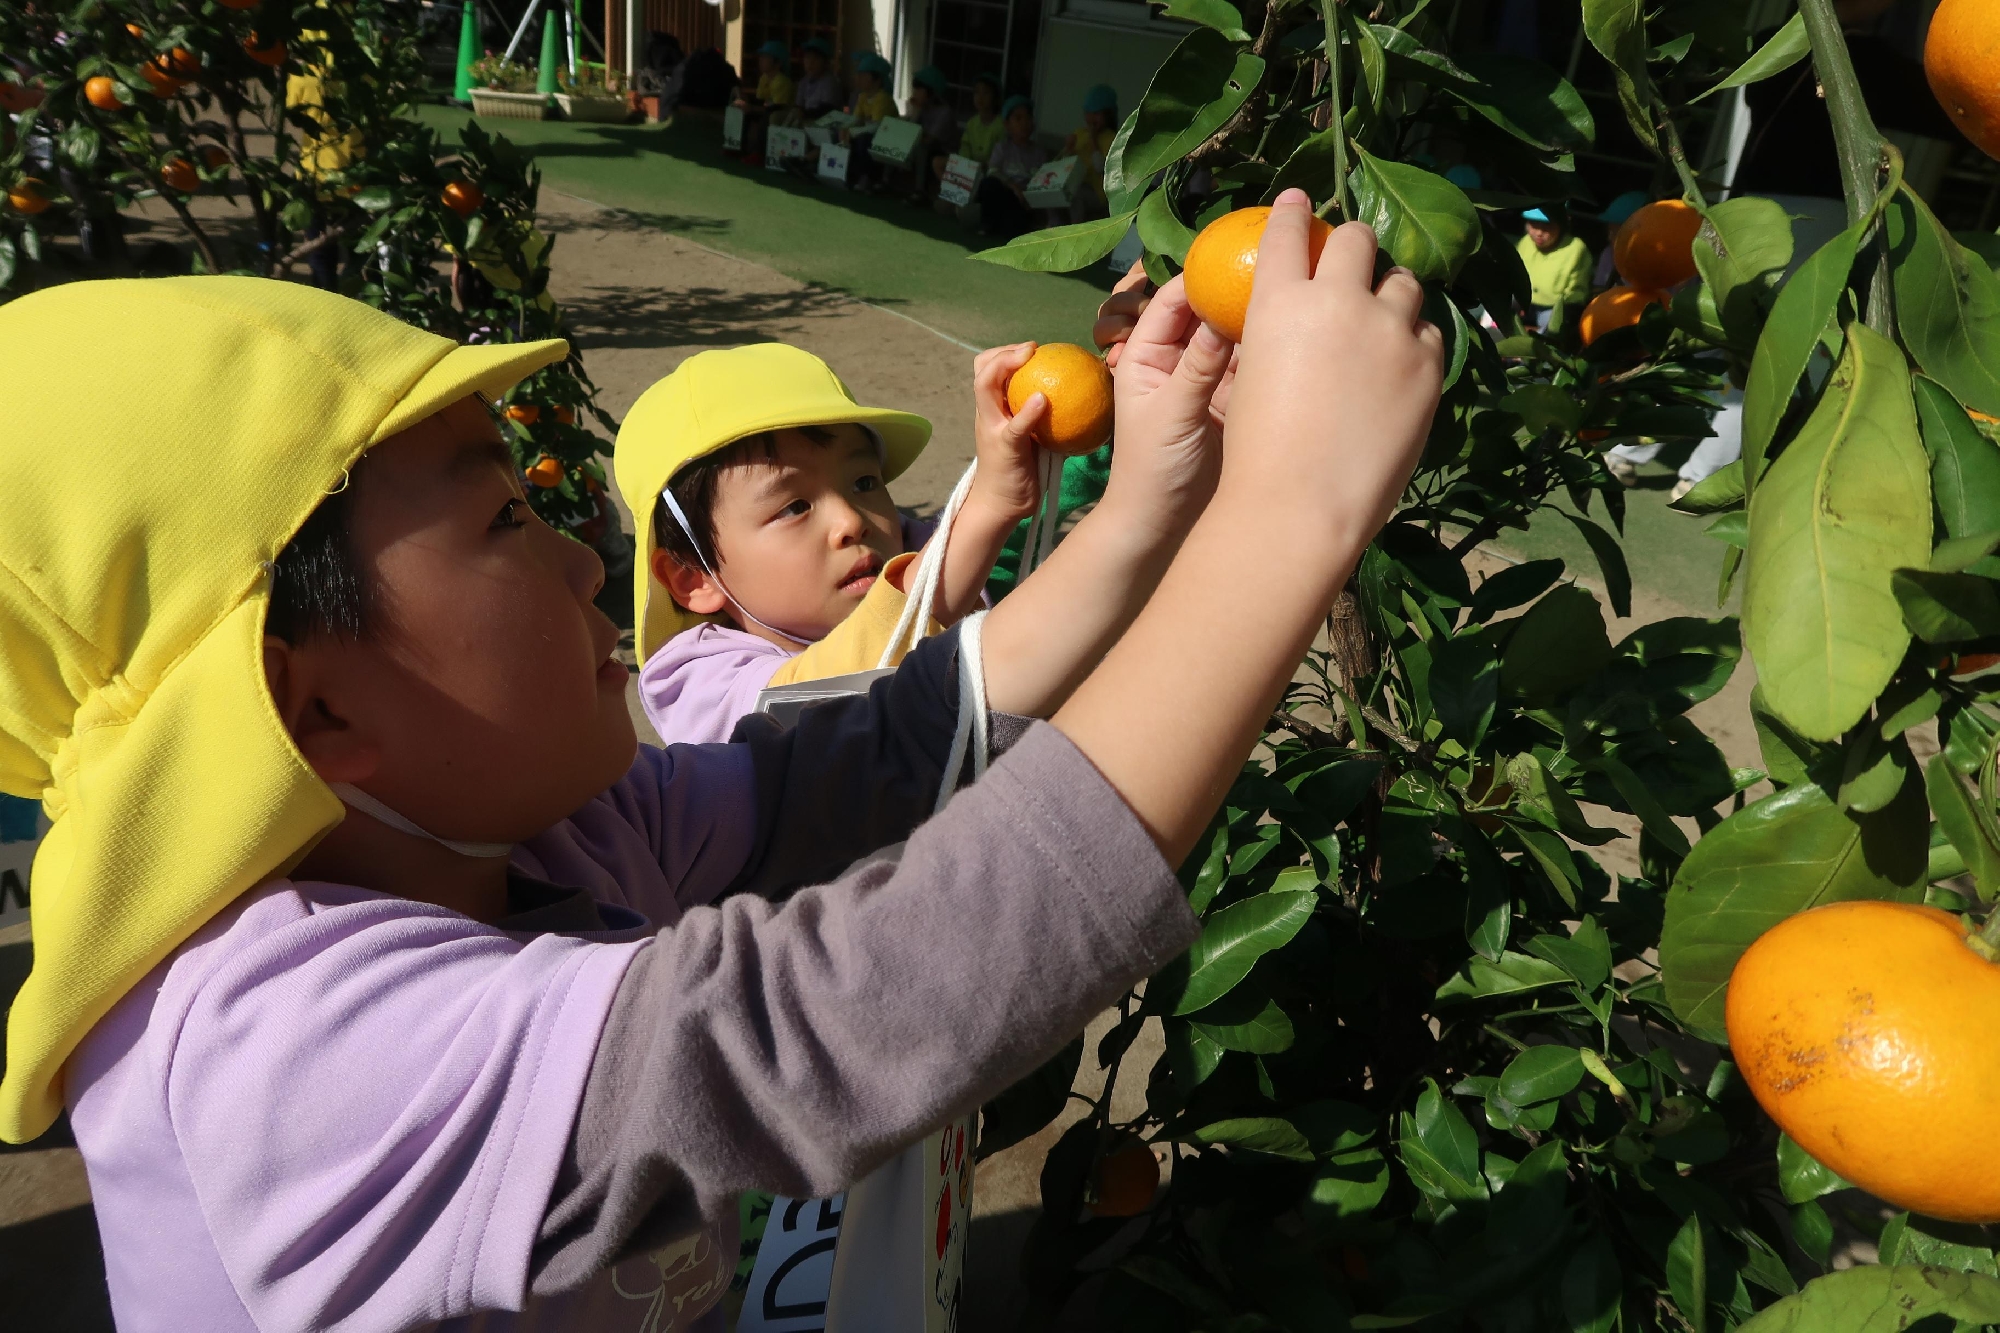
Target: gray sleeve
(794, 1047)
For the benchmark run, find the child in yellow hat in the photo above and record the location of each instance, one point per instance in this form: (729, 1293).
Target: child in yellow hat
(770, 552)
(388, 983)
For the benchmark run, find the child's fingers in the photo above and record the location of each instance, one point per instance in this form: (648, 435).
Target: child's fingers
(1135, 279)
(1019, 430)
(1281, 253)
(1206, 360)
(992, 368)
(1349, 257)
(1166, 317)
(1402, 293)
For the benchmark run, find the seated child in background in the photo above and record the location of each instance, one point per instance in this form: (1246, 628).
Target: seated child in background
(930, 107)
(771, 100)
(787, 560)
(872, 103)
(1558, 264)
(1090, 144)
(985, 128)
(1003, 199)
(819, 89)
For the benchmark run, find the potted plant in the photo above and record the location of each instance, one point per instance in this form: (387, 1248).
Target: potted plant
(592, 92)
(506, 89)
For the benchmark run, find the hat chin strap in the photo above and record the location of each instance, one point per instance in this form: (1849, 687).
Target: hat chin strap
(674, 507)
(358, 799)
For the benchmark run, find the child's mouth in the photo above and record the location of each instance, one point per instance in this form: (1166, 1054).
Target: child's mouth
(862, 577)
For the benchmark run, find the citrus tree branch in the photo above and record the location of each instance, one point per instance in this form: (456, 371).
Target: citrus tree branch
(1857, 143)
(1337, 114)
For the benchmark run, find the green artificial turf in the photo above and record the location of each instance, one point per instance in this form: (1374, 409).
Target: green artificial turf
(875, 248)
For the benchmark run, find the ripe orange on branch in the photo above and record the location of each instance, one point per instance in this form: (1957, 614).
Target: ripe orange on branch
(463, 197)
(1077, 384)
(272, 54)
(1962, 62)
(1617, 308)
(547, 473)
(1222, 266)
(178, 173)
(102, 93)
(527, 414)
(25, 196)
(1124, 1182)
(1865, 1029)
(159, 81)
(1656, 245)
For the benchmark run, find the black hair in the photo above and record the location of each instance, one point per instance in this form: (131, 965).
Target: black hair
(316, 587)
(694, 488)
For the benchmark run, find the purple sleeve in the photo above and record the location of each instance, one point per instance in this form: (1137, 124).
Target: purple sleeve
(700, 684)
(428, 1070)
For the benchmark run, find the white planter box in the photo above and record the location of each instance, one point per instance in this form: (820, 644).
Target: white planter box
(509, 106)
(603, 108)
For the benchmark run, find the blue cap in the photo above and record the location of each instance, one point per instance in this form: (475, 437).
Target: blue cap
(1015, 103)
(820, 46)
(1624, 206)
(1101, 98)
(870, 63)
(1535, 215)
(1466, 177)
(777, 50)
(931, 77)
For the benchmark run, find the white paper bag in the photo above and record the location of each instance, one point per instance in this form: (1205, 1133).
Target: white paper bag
(732, 129)
(835, 160)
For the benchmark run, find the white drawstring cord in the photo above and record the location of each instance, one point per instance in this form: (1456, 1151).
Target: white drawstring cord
(973, 731)
(1040, 539)
(922, 599)
(382, 814)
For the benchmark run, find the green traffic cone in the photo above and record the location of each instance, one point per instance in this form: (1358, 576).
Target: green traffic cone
(545, 77)
(468, 51)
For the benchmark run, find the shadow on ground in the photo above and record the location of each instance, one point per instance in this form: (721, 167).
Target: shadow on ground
(701, 316)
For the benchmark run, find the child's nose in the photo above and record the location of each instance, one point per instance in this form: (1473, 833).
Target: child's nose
(846, 523)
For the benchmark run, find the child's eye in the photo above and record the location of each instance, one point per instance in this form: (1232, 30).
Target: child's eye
(865, 484)
(795, 509)
(512, 514)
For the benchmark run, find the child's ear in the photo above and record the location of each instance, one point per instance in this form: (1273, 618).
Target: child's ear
(690, 585)
(334, 748)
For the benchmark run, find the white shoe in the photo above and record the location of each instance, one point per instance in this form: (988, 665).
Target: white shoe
(1624, 469)
(1681, 488)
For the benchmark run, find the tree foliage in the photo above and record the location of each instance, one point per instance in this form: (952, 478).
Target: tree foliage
(1430, 1064)
(301, 119)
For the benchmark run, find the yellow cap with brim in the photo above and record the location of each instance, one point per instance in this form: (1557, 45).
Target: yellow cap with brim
(711, 401)
(165, 438)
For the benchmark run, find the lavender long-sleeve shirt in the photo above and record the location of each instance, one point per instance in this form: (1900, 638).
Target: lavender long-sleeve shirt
(335, 1109)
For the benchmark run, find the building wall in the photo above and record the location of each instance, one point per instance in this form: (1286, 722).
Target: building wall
(1088, 42)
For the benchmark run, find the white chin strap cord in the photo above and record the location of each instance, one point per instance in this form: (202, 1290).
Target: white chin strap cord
(357, 799)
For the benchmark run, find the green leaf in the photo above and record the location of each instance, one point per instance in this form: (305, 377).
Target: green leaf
(1800, 1176)
(1539, 793)
(1610, 562)
(1265, 1134)
(1348, 1184)
(1947, 608)
(1160, 230)
(1787, 47)
(1233, 939)
(1545, 406)
(1464, 686)
(1424, 221)
(1541, 1074)
(1585, 955)
(1961, 553)
(375, 199)
(1202, 83)
(1687, 1274)
(1220, 15)
(1313, 166)
(1512, 974)
(1525, 98)
(1967, 823)
(1591, 1288)
(1878, 1299)
(1907, 1240)
(1742, 249)
(1439, 1148)
(1848, 502)
(1061, 249)
(1772, 859)
(1965, 465)
(1804, 308)
(1617, 28)
(1267, 1032)
(1640, 800)
(1719, 490)
(1947, 305)
(1516, 585)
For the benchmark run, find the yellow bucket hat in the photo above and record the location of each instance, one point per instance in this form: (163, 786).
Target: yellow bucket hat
(165, 439)
(712, 400)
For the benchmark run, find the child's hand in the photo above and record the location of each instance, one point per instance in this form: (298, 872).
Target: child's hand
(1006, 485)
(1119, 314)
(1173, 382)
(1339, 378)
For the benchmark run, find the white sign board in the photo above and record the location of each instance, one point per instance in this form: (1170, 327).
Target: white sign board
(794, 1268)
(895, 142)
(732, 129)
(1055, 185)
(960, 182)
(782, 145)
(834, 162)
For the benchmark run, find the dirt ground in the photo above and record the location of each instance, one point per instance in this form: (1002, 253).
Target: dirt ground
(641, 301)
